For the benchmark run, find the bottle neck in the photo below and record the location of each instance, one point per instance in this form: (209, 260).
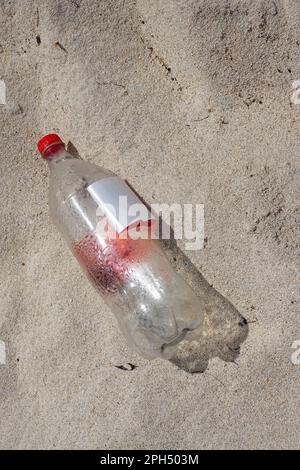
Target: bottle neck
(56, 153)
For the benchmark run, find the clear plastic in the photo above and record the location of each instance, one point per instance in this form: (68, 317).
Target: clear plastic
(154, 306)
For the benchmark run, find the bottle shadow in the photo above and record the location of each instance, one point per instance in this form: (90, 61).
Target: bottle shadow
(223, 330)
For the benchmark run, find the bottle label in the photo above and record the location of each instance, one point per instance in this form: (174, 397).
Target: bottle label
(118, 203)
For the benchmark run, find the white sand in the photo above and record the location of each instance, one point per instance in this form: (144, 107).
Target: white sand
(190, 101)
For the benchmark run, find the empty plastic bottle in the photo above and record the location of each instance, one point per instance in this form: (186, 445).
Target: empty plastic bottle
(154, 306)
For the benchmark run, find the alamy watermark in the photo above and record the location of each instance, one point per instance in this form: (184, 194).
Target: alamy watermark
(136, 221)
(2, 92)
(2, 353)
(295, 98)
(295, 357)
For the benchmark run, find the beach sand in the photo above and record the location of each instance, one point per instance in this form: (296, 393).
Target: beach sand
(190, 101)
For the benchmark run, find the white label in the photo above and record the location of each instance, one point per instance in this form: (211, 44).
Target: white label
(119, 203)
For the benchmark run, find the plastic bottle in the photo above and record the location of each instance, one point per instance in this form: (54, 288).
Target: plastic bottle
(154, 306)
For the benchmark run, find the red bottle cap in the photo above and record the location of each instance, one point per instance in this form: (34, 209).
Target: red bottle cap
(48, 140)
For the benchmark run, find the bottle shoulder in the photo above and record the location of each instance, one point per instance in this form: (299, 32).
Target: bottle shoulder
(72, 175)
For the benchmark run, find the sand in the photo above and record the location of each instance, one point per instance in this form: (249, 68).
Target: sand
(191, 102)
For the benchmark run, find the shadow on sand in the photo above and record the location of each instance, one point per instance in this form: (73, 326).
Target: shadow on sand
(223, 329)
